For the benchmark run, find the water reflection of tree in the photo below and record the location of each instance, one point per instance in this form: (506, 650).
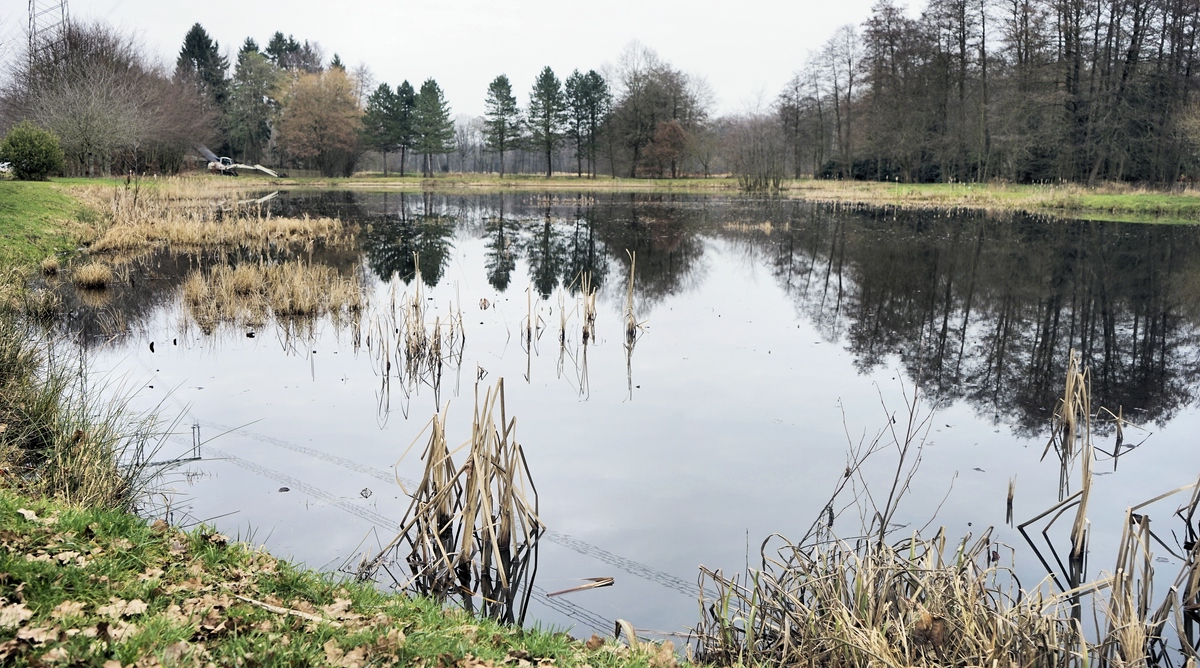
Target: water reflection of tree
(559, 244)
(500, 257)
(665, 234)
(585, 252)
(391, 239)
(985, 308)
(546, 251)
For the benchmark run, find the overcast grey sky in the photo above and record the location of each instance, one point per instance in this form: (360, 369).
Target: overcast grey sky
(744, 48)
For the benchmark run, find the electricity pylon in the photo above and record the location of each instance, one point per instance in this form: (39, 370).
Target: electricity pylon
(48, 21)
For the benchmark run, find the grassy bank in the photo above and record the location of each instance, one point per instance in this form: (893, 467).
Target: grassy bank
(94, 587)
(1107, 202)
(38, 220)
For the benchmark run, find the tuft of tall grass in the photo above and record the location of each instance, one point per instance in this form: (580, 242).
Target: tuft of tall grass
(50, 265)
(92, 276)
(189, 214)
(60, 436)
(248, 293)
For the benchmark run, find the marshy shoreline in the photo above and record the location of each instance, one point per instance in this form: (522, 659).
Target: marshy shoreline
(831, 602)
(1112, 202)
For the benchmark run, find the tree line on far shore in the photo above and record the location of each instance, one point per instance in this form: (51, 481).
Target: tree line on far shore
(968, 90)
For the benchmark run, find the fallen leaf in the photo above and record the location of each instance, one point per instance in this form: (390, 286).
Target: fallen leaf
(38, 635)
(178, 548)
(14, 615)
(55, 655)
(67, 609)
(112, 663)
(175, 653)
(122, 544)
(118, 608)
(355, 658)
(339, 609)
(220, 540)
(159, 527)
(392, 642)
(27, 514)
(594, 643)
(148, 661)
(150, 574)
(64, 557)
(10, 648)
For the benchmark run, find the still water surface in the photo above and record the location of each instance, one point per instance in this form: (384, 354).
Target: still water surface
(776, 334)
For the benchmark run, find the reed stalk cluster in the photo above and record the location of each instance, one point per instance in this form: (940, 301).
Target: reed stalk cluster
(874, 600)
(471, 532)
(250, 293)
(405, 345)
(191, 214)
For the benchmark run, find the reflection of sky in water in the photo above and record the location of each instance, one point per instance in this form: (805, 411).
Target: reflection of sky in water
(748, 387)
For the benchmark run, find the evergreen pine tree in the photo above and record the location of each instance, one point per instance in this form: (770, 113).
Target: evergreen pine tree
(431, 121)
(381, 120)
(502, 119)
(406, 131)
(547, 115)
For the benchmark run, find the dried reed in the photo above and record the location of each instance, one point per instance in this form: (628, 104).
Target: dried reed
(865, 601)
(587, 299)
(92, 276)
(470, 534)
(184, 215)
(402, 342)
(50, 265)
(249, 293)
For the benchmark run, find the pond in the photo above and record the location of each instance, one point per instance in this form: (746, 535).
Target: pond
(773, 337)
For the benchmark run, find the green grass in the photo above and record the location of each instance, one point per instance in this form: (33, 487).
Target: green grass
(37, 219)
(1118, 202)
(90, 586)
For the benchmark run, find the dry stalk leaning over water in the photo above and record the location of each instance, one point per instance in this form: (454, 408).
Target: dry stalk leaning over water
(470, 534)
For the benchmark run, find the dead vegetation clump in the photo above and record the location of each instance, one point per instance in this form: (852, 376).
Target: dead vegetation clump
(404, 344)
(183, 215)
(250, 293)
(875, 600)
(471, 532)
(92, 276)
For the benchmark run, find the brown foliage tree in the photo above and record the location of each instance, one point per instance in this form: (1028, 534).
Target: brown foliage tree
(321, 122)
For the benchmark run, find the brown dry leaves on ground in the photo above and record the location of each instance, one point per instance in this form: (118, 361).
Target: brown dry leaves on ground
(102, 588)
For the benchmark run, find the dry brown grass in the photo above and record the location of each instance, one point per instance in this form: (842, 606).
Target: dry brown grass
(871, 602)
(50, 266)
(92, 276)
(191, 214)
(249, 293)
